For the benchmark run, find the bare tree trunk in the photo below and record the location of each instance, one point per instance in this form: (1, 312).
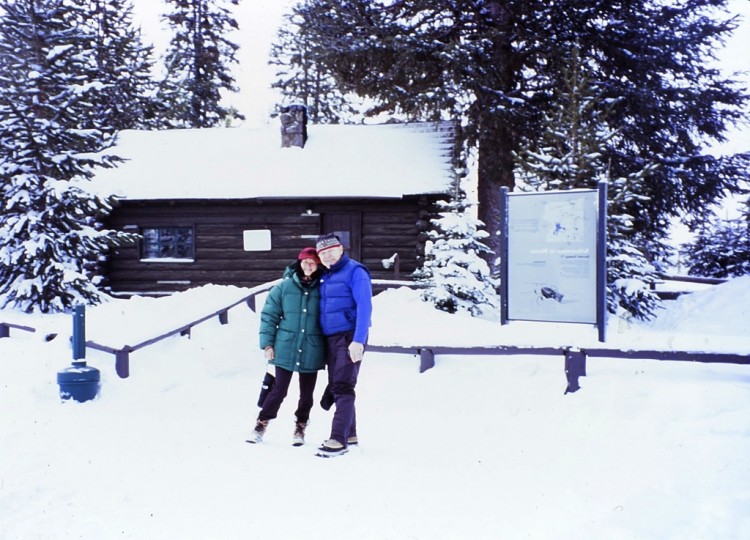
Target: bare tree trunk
(495, 172)
(496, 141)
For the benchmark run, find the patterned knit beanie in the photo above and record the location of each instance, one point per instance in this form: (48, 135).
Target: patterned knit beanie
(327, 241)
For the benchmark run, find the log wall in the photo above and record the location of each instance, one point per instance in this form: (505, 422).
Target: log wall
(388, 227)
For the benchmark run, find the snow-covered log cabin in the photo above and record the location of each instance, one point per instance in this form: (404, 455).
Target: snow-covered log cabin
(233, 206)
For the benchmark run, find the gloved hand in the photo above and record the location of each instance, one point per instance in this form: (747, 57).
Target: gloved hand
(268, 351)
(356, 351)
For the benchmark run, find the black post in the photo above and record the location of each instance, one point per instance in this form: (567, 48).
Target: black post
(504, 231)
(601, 264)
(575, 366)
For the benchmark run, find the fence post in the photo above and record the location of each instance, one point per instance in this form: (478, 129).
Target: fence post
(122, 364)
(426, 360)
(575, 366)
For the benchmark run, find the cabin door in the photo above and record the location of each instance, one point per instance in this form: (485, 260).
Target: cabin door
(348, 227)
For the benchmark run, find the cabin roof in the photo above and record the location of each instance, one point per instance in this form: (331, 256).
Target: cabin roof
(338, 161)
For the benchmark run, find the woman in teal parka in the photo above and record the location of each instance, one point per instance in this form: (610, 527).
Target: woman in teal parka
(292, 341)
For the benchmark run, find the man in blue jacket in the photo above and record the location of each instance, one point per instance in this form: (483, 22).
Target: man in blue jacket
(345, 317)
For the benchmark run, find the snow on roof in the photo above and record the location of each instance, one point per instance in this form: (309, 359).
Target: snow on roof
(364, 161)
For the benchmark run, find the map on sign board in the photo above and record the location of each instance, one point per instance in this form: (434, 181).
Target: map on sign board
(562, 221)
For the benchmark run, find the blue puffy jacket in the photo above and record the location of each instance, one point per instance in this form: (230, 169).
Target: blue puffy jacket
(346, 299)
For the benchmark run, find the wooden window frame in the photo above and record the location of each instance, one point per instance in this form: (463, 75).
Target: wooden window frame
(176, 246)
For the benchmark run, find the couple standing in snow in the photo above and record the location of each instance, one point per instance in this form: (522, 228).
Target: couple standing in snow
(317, 317)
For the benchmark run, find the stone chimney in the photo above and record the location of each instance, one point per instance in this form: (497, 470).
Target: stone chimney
(293, 126)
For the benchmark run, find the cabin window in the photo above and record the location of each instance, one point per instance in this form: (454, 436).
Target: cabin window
(168, 244)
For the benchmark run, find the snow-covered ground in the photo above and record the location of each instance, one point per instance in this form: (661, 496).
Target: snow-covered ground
(477, 447)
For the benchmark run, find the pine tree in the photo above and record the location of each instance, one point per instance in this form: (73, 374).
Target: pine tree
(125, 68)
(574, 142)
(454, 275)
(721, 247)
(303, 81)
(50, 233)
(197, 62)
(569, 151)
(631, 275)
(494, 64)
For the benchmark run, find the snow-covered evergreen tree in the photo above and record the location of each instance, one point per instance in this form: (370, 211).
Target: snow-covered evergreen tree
(454, 275)
(721, 247)
(303, 81)
(50, 234)
(574, 142)
(494, 63)
(631, 274)
(197, 62)
(125, 68)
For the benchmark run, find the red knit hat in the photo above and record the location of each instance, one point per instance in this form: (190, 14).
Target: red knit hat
(309, 253)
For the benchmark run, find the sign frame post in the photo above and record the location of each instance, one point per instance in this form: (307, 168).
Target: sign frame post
(601, 264)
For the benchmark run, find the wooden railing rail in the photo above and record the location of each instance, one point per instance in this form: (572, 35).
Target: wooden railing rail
(693, 279)
(427, 353)
(6, 326)
(122, 353)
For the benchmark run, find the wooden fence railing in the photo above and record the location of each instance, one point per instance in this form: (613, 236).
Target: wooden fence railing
(6, 326)
(674, 279)
(122, 353)
(426, 353)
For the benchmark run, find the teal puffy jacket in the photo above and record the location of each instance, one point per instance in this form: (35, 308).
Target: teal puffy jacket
(289, 322)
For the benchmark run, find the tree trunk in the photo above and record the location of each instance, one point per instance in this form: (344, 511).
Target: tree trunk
(495, 170)
(495, 140)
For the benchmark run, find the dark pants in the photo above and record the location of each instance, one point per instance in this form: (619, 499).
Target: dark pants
(342, 380)
(279, 390)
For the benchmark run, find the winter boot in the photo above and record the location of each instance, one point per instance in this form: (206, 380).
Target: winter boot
(299, 433)
(258, 432)
(331, 448)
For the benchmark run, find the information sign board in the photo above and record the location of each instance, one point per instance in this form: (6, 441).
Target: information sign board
(552, 256)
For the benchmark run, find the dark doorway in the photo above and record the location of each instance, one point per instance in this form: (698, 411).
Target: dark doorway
(348, 227)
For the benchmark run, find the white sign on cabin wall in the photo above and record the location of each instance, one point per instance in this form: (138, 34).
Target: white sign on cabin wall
(257, 240)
